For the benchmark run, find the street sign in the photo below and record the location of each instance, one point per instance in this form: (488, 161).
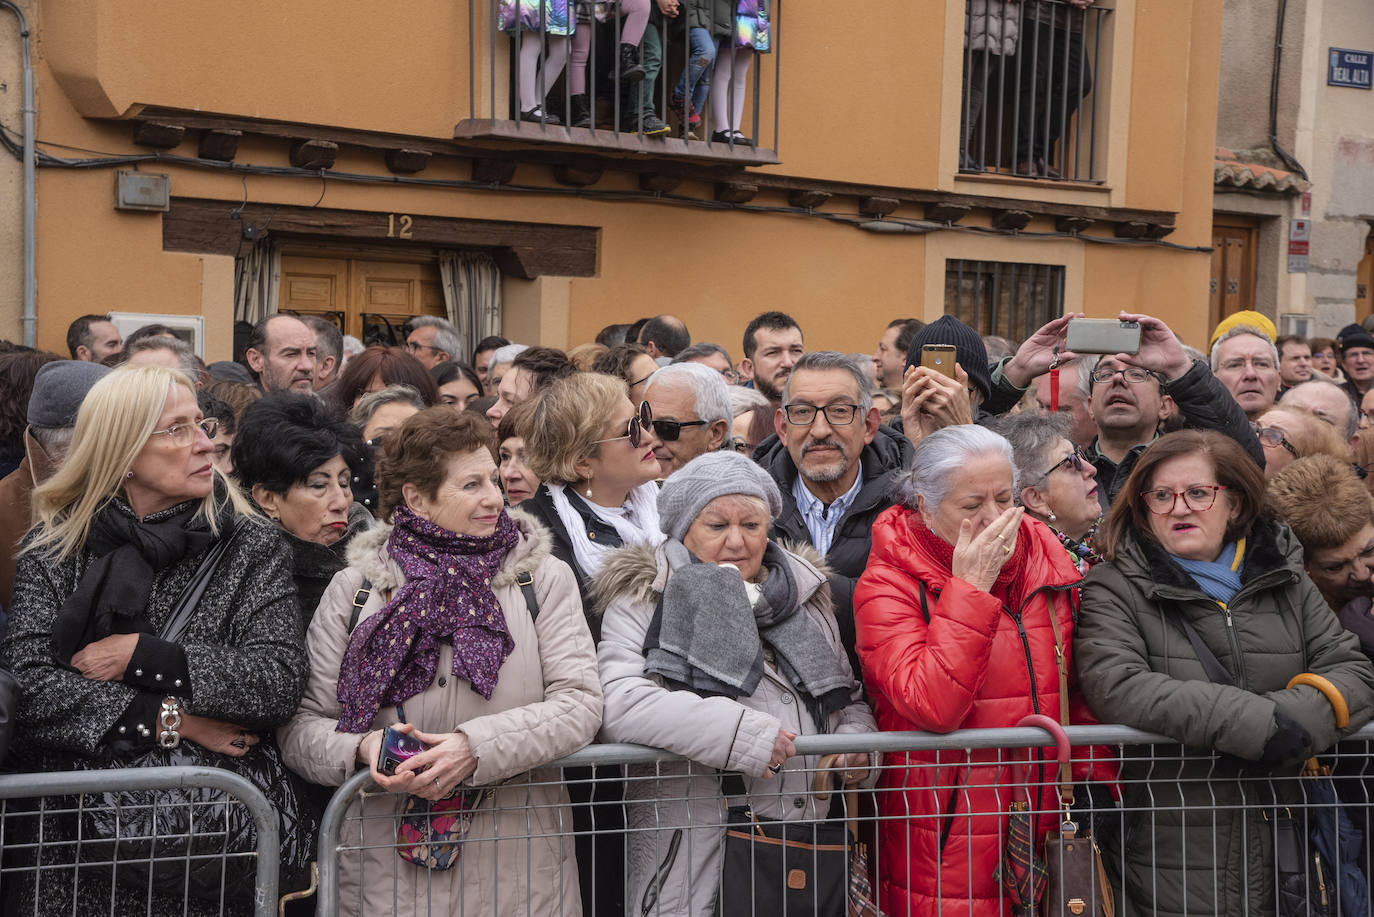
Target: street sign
(1345, 67)
(1299, 243)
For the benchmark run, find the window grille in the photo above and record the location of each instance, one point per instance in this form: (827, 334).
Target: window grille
(1007, 298)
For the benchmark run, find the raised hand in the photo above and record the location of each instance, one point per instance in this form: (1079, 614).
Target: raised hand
(1035, 356)
(978, 559)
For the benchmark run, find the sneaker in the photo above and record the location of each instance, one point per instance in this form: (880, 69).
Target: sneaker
(650, 126)
(538, 114)
(731, 136)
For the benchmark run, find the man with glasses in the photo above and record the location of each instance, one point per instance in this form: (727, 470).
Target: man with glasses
(833, 462)
(712, 355)
(691, 413)
(1247, 363)
(433, 340)
(1130, 395)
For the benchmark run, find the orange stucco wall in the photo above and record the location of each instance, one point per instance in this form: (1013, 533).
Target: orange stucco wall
(860, 102)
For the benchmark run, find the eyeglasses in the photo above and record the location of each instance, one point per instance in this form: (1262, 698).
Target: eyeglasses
(1259, 364)
(1273, 436)
(1075, 460)
(416, 346)
(1198, 498)
(837, 415)
(1133, 374)
(183, 434)
(670, 430)
(642, 421)
(731, 377)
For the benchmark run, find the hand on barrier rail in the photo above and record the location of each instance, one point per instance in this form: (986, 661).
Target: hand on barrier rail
(783, 748)
(107, 658)
(1290, 743)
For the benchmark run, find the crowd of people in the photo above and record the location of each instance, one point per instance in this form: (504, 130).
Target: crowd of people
(506, 552)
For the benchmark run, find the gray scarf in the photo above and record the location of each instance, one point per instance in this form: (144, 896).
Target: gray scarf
(706, 638)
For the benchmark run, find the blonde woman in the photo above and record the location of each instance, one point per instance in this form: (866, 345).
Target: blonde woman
(123, 527)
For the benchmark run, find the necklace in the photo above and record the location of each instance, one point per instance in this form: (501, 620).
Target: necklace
(1080, 550)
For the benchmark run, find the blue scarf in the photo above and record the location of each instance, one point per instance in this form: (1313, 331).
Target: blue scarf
(1219, 578)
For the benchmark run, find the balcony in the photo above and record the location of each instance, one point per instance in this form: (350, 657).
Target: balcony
(1033, 73)
(580, 75)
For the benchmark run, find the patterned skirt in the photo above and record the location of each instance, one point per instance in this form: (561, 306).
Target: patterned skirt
(751, 25)
(550, 16)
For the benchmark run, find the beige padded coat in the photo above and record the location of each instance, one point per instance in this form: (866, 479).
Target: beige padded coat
(675, 812)
(547, 704)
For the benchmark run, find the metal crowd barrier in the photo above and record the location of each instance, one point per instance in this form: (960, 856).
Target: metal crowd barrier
(1168, 819)
(56, 855)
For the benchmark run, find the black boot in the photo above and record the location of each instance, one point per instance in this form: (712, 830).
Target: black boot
(631, 70)
(581, 114)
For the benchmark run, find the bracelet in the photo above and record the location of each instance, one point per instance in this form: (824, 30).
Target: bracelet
(169, 718)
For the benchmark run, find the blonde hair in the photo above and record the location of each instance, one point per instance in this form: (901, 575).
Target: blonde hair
(115, 421)
(568, 417)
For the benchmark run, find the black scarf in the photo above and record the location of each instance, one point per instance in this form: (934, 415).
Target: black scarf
(112, 596)
(705, 636)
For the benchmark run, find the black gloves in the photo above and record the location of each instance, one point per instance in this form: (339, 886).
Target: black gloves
(1290, 743)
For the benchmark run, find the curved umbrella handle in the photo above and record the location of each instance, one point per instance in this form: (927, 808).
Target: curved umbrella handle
(1061, 738)
(1333, 695)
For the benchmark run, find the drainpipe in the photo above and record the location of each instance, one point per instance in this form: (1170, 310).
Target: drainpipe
(1284, 157)
(30, 186)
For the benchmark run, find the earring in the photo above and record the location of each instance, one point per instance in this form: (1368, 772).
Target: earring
(128, 475)
(589, 487)
(1052, 516)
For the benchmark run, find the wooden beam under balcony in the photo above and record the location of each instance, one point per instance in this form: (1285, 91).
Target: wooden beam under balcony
(658, 182)
(160, 135)
(1010, 219)
(493, 171)
(1142, 229)
(604, 140)
(221, 145)
(736, 192)
(808, 200)
(573, 176)
(878, 206)
(946, 211)
(1072, 224)
(406, 161)
(314, 154)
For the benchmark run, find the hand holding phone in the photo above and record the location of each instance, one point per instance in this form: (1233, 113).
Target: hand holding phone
(1103, 335)
(397, 746)
(939, 357)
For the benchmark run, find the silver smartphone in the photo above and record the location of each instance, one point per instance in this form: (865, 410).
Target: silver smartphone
(1102, 335)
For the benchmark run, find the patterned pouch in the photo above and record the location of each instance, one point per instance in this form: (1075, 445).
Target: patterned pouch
(431, 833)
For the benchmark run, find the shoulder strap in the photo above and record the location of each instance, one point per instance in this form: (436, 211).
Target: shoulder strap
(1065, 770)
(360, 597)
(525, 580)
(925, 611)
(1211, 665)
(174, 628)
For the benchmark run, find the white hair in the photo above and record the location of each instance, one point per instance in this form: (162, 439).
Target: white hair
(745, 399)
(709, 397)
(944, 452)
(446, 337)
(1237, 332)
(352, 346)
(507, 354)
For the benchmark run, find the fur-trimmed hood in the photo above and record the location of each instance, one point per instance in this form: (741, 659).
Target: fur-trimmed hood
(367, 553)
(640, 572)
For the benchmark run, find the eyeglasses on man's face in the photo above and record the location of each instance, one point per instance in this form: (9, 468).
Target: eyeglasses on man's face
(1198, 498)
(184, 434)
(670, 430)
(837, 415)
(1273, 436)
(416, 347)
(1133, 374)
(1258, 364)
(643, 420)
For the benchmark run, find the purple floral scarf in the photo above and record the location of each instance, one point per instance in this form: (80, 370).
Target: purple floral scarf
(393, 655)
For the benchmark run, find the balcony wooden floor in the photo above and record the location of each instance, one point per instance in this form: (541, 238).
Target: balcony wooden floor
(517, 133)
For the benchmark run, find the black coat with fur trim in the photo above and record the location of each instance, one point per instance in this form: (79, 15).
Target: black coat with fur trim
(1137, 667)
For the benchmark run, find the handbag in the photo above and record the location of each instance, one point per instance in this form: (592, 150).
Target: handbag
(1068, 878)
(189, 841)
(431, 834)
(782, 867)
(860, 900)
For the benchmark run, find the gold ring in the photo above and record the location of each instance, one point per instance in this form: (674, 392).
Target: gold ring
(1006, 548)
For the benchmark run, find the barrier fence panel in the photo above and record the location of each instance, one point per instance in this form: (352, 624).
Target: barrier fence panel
(951, 824)
(154, 840)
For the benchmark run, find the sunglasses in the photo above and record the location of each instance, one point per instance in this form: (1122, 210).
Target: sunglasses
(642, 421)
(1075, 460)
(670, 430)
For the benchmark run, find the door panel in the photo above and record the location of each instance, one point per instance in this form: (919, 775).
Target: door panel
(1232, 285)
(352, 288)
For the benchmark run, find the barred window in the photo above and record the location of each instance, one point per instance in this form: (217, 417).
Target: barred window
(1006, 298)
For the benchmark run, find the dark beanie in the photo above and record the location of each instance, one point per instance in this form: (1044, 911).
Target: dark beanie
(1354, 336)
(58, 390)
(969, 351)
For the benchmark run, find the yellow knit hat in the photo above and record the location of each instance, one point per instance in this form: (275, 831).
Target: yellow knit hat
(1253, 319)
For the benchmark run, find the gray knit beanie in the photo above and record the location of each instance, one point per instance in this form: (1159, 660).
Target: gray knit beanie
(58, 390)
(715, 474)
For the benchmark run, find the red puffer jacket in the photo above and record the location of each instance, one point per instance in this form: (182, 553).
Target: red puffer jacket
(970, 663)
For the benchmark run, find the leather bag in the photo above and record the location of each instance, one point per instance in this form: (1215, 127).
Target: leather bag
(860, 900)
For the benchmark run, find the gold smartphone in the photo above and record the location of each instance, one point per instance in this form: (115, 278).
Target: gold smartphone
(939, 357)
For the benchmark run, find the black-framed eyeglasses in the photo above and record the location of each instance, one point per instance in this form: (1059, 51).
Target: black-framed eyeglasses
(1132, 374)
(643, 420)
(837, 415)
(1273, 436)
(642, 381)
(183, 434)
(731, 377)
(670, 430)
(1076, 460)
(415, 346)
(1198, 498)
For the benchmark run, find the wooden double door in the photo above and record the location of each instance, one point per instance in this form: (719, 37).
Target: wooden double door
(369, 297)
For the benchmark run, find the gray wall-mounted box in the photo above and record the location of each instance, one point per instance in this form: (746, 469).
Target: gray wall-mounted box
(142, 191)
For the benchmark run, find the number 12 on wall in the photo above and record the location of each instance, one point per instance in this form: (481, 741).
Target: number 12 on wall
(400, 226)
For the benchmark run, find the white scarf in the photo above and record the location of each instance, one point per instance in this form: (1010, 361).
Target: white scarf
(638, 524)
